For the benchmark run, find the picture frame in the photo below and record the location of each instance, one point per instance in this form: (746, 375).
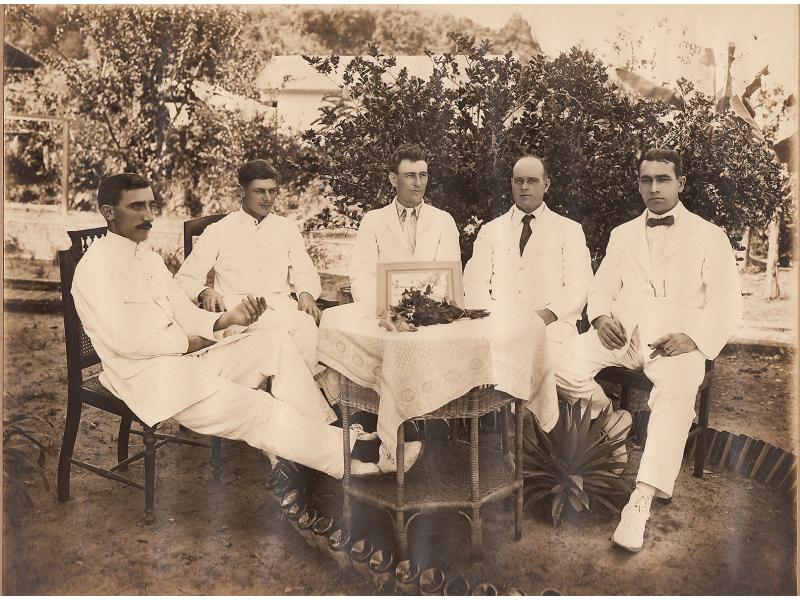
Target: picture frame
(395, 277)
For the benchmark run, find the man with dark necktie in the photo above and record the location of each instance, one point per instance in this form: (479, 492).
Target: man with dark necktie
(531, 260)
(665, 298)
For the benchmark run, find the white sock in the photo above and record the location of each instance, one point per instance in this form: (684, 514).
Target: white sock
(644, 489)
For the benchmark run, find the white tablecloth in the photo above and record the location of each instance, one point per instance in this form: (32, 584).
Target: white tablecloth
(417, 372)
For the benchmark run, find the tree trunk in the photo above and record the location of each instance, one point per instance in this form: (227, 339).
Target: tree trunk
(746, 244)
(771, 289)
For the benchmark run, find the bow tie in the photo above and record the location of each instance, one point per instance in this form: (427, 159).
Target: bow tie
(665, 221)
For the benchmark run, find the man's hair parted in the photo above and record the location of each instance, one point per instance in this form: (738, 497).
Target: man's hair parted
(412, 152)
(256, 169)
(111, 187)
(663, 155)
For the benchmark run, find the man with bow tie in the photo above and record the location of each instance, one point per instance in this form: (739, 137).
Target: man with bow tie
(407, 229)
(665, 298)
(531, 260)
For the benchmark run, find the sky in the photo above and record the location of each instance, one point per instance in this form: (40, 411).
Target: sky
(763, 34)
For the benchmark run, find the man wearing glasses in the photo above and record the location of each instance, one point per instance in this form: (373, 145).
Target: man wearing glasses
(531, 260)
(666, 298)
(254, 251)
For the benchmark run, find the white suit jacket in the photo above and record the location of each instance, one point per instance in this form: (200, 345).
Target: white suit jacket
(138, 320)
(696, 280)
(266, 259)
(553, 272)
(380, 238)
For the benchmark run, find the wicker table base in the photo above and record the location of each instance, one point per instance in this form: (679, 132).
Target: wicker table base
(450, 475)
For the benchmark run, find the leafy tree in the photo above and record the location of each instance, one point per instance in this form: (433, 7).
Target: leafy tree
(475, 115)
(135, 101)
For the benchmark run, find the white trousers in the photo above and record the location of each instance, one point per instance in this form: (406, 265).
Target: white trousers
(676, 380)
(280, 422)
(300, 325)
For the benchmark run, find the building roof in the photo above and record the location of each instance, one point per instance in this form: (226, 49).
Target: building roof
(293, 73)
(15, 59)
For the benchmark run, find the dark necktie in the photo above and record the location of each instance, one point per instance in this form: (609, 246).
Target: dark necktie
(526, 232)
(665, 221)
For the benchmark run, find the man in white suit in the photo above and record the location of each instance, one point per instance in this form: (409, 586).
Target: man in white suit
(531, 260)
(159, 355)
(665, 299)
(253, 251)
(408, 229)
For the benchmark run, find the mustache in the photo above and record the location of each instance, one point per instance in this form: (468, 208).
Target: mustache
(144, 226)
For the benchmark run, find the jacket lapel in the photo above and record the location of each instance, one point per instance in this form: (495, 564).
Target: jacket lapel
(680, 238)
(637, 243)
(426, 239)
(392, 221)
(542, 230)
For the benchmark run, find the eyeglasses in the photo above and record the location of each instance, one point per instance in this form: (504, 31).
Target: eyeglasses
(528, 180)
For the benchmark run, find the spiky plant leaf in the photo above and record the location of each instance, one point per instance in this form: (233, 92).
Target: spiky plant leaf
(573, 463)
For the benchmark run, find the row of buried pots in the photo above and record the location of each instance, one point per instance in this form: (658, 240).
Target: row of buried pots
(389, 576)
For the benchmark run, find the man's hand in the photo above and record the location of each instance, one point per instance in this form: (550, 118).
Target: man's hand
(307, 304)
(211, 300)
(672, 344)
(610, 331)
(198, 343)
(546, 315)
(244, 314)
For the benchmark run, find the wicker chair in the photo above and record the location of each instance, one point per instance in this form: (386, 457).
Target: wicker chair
(81, 355)
(449, 476)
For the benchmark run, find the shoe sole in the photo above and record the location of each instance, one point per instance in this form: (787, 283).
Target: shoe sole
(623, 546)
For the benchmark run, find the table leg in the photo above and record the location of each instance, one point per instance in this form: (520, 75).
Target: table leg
(476, 541)
(401, 534)
(518, 408)
(346, 508)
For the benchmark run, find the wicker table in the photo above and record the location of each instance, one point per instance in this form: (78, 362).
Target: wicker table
(450, 475)
(460, 370)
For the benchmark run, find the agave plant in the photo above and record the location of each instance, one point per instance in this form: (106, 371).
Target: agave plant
(573, 463)
(18, 442)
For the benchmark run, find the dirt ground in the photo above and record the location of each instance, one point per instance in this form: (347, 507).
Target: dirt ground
(721, 535)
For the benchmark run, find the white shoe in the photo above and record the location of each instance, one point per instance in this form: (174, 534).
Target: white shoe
(329, 382)
(629, 534)
(618, 421)
(357, 431)
(387, 461)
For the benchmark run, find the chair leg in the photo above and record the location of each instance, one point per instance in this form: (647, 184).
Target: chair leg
(625, 397)
(505, 438)
(700, 445)
(122, 441)
(347, 514)
(67, 446)
(149, 475)
(518, 408)
(216, 458)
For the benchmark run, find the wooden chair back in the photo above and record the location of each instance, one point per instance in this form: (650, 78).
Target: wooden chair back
(195, 227)
(80, 351)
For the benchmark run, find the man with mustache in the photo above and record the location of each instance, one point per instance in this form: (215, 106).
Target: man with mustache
(159, 355)
(407, 229)
(665, 298)
(255, 251)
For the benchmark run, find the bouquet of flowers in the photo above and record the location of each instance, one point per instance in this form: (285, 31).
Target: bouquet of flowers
(417, 307)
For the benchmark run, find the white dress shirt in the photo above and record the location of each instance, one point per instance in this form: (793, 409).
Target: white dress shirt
(139, 321)
(264, 259)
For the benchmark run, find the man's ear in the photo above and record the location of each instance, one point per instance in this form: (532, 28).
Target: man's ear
(393, 178)
(107, 210)
(546, 184)
(682, 182)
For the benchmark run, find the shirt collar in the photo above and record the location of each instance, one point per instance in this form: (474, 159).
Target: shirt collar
(517, 214)
(249, 219)
(123, 246)
(675, 212)
(400, 208)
